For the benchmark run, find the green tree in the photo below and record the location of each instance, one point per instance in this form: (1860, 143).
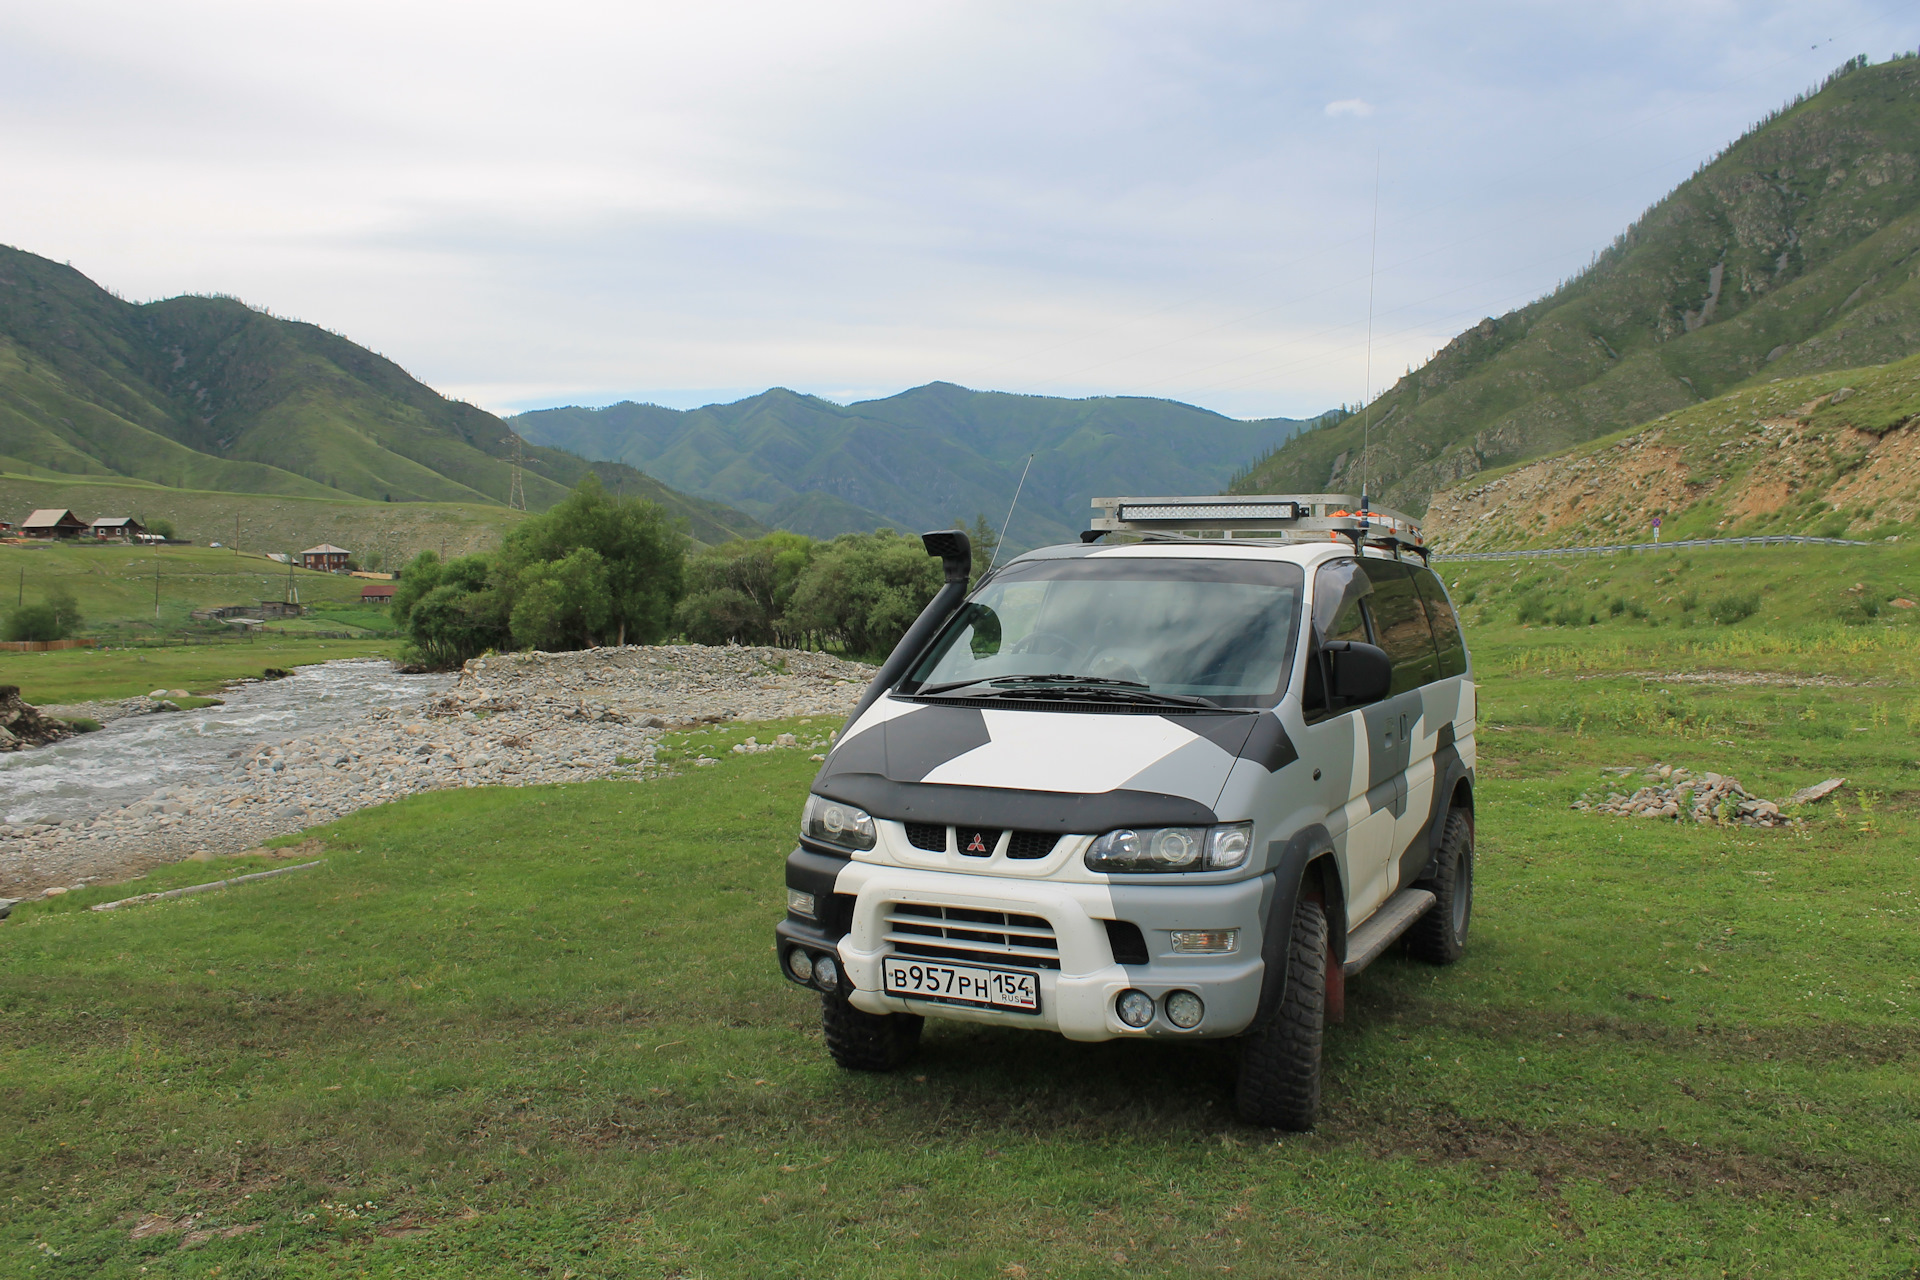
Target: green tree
(866, 589)
(562, 604)
(66, 612)
(740, 591)
(984, 541)
(642, 552)
(34, 622)
(161, 528)
(450, 611)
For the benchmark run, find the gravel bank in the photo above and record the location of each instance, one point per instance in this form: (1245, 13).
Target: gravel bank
(510, 720)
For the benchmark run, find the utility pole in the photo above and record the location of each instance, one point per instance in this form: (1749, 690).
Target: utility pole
(156, 593)
(23, 588)
(236, 533)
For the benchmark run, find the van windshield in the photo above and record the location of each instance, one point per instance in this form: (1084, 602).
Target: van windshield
(1200, 631)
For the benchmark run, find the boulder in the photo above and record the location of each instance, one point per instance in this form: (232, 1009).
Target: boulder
(25, 726)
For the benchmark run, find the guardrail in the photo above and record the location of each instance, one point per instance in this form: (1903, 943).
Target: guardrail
(1769, 540)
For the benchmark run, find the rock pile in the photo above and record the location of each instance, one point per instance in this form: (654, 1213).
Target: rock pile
(510, 720)
(22, 725)
(1706, 798)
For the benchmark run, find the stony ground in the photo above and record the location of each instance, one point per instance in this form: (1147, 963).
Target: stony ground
(510, 720)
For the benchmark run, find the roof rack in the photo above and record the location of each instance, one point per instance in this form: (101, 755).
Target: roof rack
(1299, 517)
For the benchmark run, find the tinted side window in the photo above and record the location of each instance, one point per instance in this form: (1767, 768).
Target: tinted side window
(1338, 588)
(1446, 624)
(1400, 625)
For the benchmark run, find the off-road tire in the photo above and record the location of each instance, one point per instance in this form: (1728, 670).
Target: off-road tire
(1279, 1084)
(1440, 936)
(861, 1041)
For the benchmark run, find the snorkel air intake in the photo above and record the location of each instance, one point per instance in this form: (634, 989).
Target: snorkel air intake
(956, 557)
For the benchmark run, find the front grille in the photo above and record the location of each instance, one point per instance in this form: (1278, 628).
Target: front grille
(970, 935)
(1028, 845)
(922, 835)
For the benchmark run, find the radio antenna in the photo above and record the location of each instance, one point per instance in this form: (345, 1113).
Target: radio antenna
(1366, 401)
(1009, 520)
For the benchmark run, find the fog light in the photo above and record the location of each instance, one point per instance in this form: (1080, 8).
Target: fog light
(800, 965)
(1184, 1010)
(800, 903)
(826, 973)
(1206, 942)
(1135, 1008)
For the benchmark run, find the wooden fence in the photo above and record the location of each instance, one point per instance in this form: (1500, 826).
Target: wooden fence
(41, 646)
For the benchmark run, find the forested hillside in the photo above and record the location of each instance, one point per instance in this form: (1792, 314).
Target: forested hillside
(207, 393)
(914, 460)
(1791, 253)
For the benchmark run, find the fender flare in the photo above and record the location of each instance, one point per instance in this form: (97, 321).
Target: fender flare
(1305, 856)
(1451, 773)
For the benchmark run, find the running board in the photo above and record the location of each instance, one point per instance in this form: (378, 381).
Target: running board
(1365, 944)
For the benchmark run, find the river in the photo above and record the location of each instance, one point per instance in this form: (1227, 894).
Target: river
(134, 757)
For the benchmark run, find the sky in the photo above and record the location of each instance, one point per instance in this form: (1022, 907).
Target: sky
(580, 203)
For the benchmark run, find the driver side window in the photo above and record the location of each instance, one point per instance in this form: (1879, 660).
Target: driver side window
(1339, 588)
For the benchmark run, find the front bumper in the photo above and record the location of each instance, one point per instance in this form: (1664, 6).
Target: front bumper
(1078, 998)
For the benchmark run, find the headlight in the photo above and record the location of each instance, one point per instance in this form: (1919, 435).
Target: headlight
(841, 825)
(1152, 849)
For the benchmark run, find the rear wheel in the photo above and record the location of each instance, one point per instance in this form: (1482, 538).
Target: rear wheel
(862, 1041)
(1440, 936)
(1280, 1055)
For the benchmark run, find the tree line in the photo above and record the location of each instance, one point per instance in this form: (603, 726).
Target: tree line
(601, 570)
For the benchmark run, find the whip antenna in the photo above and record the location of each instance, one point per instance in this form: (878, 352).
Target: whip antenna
(1009, 520)
(1366, 400)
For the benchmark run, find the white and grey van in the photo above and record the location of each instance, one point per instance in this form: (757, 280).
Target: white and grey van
(1180, 785)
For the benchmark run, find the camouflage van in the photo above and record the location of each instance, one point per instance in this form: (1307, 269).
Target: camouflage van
(1182, 779)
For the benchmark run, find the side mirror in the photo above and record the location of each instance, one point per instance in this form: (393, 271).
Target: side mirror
(1361, 672)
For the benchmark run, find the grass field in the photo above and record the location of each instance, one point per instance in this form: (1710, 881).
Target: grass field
(117, 586)
(83, 675)
(538, 1032)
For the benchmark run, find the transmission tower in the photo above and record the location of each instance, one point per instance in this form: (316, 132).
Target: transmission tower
(516, 494)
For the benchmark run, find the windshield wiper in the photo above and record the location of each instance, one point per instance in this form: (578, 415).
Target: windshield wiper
(1100, 691)
(931, 690)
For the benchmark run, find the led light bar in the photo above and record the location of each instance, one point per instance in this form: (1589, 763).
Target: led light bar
(1210, 511)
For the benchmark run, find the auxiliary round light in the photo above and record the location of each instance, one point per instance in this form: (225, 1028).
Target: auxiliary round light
(1135, 1008)
(1184, 1010)
(800, 965)
(826, 973)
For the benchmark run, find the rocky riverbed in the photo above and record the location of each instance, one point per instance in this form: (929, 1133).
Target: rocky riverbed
(508, 720)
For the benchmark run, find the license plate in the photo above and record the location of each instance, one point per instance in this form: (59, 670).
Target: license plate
(960, 984)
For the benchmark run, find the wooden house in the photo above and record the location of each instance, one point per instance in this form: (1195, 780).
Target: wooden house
(125, 528)
(377, 593)
(326, 557)
(49, 522)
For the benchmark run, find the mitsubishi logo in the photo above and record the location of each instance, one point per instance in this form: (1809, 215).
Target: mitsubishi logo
(975, 845)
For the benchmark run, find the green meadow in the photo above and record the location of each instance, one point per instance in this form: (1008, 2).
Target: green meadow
(539, 1031)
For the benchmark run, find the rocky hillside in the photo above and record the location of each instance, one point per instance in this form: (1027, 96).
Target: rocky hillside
(1795, 251)
(1834, 454)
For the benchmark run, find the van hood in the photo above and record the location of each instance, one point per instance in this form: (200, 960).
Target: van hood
(1045, 770)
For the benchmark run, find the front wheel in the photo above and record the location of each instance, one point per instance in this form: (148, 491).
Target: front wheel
(862, 1041)
(1279, 1083)
(1440, 936)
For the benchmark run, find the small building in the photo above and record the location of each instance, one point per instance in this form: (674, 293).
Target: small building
(326, 557)
(125, 528)
(255, 613)
(280, 609)
(50, 522)
(376, 593)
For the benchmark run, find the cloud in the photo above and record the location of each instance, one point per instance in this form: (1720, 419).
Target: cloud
(594, 199)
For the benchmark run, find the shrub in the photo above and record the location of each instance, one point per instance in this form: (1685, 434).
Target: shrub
(1728, 610)
(1616, 606)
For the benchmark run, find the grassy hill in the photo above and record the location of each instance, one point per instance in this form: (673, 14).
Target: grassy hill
(915, 459)
(1791, 253)
(208, 394)
(1834, 454)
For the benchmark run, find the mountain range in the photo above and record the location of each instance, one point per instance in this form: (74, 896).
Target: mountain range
(1794, 251)
(206, 393)
(920, 458)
